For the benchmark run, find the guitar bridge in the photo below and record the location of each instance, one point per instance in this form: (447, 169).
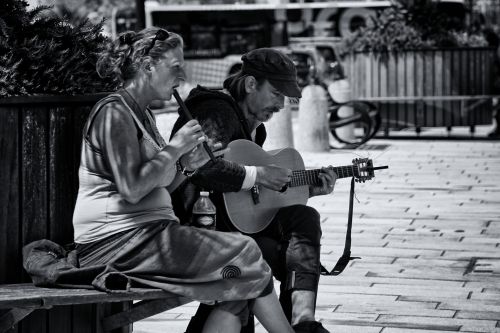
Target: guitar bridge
(255, 194)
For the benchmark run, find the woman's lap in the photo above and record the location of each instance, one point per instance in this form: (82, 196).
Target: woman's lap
(199, 264)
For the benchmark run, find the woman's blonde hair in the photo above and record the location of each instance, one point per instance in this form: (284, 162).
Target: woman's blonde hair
(130, 50)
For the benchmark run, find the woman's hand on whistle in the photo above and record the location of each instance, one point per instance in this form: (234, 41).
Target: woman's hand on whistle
(198, 156)
(188, 137)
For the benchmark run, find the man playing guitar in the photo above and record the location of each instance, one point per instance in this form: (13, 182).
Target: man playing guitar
(291, 241)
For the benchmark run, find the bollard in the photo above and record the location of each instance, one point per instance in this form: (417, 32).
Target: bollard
(312, 129)
(340, 91)
(279, 129)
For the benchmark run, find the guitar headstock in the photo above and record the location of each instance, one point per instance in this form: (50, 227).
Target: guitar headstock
(363, 169)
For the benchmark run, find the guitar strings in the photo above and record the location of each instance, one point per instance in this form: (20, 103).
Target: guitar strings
(305, 177)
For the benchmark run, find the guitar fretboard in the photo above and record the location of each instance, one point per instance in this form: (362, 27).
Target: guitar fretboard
(310, 177)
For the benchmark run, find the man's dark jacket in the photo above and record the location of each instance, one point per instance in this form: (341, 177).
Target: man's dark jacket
(223, 121)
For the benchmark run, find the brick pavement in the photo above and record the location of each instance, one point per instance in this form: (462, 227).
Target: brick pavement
(428, 232)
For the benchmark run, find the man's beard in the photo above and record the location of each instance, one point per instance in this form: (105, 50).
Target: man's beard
(269, 112)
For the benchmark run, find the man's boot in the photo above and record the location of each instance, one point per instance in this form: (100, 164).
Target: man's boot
(309, 327)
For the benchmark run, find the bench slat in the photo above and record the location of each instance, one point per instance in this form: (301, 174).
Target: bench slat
(142, 310)
(27, 295)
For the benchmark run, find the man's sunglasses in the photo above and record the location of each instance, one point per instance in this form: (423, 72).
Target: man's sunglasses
(161, 35)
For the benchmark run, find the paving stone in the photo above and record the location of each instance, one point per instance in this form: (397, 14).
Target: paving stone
(412, 282)
(389, 307)
(491, 315)
(351, 328)
(327, 299)
(438, 230)
(486, 296)
(452, 223)
(332, 260)
(426, 263)
(395, 252)
(468, 253)
(400, 290)
(470, 305)
(421, 326)
(338, 328)
(442, 244)
(408, 330)
(353, 316)
(486, 326)
(398, 308)
(411, 273)
(484, 284)
(434, 235)
(486, 239)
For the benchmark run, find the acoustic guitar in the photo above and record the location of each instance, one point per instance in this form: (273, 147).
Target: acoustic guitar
(251, 211)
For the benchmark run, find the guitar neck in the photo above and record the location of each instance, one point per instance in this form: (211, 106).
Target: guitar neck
(310, 177)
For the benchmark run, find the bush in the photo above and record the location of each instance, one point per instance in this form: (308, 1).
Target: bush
(41, 53)
(77, 11)
(401, 27)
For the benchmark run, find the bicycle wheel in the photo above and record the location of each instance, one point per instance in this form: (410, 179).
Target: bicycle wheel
(364, 123)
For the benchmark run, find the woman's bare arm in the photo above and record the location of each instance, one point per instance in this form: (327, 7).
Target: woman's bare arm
(114, 131)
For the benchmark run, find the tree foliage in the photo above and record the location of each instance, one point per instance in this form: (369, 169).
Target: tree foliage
(404, 27)
(41, 53)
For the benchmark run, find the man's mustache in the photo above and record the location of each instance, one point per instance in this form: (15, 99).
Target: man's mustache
(272, 109)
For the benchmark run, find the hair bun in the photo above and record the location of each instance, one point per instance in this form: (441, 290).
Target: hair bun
(127, 38)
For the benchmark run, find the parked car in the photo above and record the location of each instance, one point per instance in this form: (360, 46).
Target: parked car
(320, 55)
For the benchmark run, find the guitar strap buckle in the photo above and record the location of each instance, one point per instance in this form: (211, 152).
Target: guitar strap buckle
(255, 194)
(340, 266)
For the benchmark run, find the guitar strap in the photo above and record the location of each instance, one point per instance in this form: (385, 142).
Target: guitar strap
(346, 256)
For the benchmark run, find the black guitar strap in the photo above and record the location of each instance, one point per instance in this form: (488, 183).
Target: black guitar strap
(346, 256)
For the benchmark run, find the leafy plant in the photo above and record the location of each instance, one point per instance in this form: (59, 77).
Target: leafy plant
(403, 27)
(76, 11)
(41, 53)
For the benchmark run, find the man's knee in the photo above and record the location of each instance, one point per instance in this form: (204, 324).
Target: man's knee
(273, 253)
(308, 223)
(304, 250)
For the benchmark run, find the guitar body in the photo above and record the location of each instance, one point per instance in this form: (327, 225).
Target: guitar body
(251, 216)
(246, 215)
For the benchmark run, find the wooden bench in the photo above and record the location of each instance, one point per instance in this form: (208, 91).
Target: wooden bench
(40, 139)
(20, 300)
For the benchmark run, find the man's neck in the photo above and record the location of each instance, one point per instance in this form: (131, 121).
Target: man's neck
(252, 122)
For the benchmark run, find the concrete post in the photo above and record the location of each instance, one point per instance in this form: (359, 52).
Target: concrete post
(312, 129)
(279, 129)
(340, 91)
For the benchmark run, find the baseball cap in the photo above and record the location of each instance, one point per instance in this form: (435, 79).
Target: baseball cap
(274, 66)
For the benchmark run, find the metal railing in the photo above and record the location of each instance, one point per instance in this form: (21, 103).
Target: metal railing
(420, 111)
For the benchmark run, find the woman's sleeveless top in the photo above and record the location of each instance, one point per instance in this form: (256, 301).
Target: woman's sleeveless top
(100, 210)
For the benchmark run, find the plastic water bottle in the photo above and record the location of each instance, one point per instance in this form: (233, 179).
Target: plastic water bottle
(203, 212)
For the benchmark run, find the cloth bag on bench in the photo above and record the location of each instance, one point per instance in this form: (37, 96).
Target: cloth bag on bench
(51, 265)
